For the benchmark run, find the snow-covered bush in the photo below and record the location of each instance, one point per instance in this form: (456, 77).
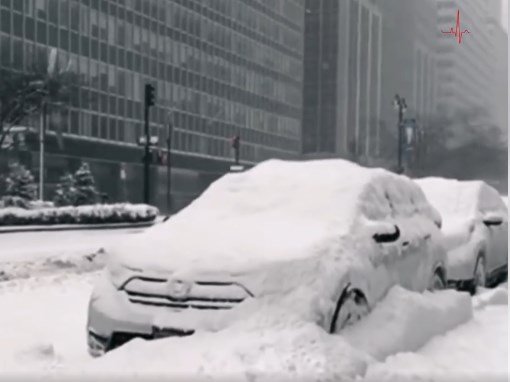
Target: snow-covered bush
(85, 186)
(21, 187)
(65, 193)
(93, 214)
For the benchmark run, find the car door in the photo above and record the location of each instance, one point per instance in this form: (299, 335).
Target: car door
(410, 260)
(494, 216)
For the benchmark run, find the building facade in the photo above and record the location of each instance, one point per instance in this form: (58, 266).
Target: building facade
(358, 55)
(220, 67)
(499, 66)
(342, 77)
(464, 69)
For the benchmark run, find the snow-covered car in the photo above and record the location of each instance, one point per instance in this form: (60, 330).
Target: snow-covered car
(475, 228)
(323, 238)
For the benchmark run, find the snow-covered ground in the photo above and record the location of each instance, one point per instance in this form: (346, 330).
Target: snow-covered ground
(407, 337)
(26, 254)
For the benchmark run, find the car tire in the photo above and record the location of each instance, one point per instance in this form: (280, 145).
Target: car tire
(479, 276)
(351, 307)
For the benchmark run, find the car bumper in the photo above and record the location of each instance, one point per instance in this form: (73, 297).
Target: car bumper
(461, 265)
(113, 320)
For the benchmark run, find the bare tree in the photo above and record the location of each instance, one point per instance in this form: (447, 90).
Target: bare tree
(23, 93)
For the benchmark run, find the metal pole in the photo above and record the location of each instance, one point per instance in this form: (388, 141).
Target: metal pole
(146, 159)
(400, 116)
(42, 131)
(168, 169)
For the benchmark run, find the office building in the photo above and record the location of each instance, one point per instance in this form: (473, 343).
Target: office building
(220, 67)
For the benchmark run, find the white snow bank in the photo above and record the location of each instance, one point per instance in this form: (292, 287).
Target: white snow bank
(405, 320)
(293, 350)
(43, 323)
(274, 344)
(475, 351)
(496, 296)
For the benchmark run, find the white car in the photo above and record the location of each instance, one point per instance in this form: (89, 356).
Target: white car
(475, 228)
(327, 237)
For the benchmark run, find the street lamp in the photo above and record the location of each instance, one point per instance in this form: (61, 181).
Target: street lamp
(399, 104)
(168, 162)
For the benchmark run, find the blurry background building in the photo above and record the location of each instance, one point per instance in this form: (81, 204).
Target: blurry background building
(342, 78)
(220, 66)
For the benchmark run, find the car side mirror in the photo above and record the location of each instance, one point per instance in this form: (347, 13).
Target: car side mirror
(493, 220)
(387, 237)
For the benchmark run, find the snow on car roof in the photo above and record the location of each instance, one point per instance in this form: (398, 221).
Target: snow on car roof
(280, 210)
(455, 197)
(318, 189)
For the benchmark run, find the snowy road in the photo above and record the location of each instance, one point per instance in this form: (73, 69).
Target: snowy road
(30, 254)
(45, 317)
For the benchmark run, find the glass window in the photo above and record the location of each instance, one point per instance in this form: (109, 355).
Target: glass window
(94, 29)
(41, 8)
(53, 11)
(111, 79)
(121, 34)
(75, 15)
(84, 20)
(136, 38)
(103, 31)
(29, 8)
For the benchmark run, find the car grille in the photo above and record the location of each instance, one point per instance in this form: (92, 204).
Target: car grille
(202, 294)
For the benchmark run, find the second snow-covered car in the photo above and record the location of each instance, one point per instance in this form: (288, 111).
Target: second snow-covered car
(475, 227)
(327, 237)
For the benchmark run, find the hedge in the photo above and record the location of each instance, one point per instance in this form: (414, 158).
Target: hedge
(92, 214)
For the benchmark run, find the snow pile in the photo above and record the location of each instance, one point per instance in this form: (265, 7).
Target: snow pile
(93, 214)
(277, 211)
(30, 254)
(496, 296)
(279, 348)
(80, 262)
(475, 351)
(44, 322)
(404, 321)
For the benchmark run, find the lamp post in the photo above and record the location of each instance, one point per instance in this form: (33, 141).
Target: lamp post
(169, 164)
(399, 103)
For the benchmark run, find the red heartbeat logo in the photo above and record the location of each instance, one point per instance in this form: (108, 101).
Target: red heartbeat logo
(456, 32)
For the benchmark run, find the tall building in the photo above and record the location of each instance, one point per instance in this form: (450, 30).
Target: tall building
(358, 55)
(464, 69)
(220, 67)
(409, 39)
(341, 77)
(499, 66)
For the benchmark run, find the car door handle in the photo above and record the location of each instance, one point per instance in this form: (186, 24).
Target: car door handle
(427, 236)
(405, 244)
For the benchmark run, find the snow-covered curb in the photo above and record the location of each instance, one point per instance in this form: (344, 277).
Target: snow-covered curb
(88, 261)
(82, 215)
(77, 227)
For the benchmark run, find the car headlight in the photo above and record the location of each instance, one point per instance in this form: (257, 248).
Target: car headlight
(120, 273)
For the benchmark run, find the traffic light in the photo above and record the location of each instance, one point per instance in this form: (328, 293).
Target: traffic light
(150, 95)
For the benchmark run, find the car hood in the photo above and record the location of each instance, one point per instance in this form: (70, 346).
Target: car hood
(230, 245)
(268, 259)
(457, 231)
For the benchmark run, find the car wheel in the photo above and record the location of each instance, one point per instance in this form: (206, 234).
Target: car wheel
(437, 282)
(351, 307)
(480, 275)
